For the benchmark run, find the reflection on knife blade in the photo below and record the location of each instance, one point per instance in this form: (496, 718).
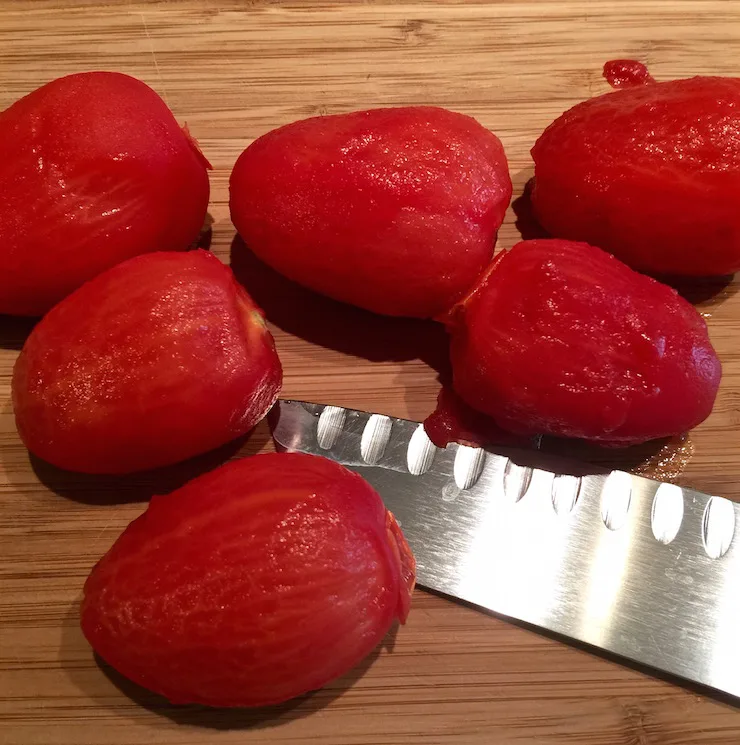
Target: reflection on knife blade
(645, 570)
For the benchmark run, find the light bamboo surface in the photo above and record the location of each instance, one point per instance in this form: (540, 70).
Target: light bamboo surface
(233, 69)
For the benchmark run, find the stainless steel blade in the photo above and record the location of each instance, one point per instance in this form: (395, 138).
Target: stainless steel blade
(645, 570)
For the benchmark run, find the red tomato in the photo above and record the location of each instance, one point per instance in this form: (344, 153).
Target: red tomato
(250, 585)
(160, 358)
(94, 169)
(395, 210)
(650, 173)
(561, 338)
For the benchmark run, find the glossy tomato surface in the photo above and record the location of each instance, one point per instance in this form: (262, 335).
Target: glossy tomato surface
(650, 172)
(160, 358)
(257, 582)
(94, 169)
(395, 210)
(561, 338)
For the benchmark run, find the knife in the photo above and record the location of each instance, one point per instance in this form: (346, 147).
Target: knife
(645, 570)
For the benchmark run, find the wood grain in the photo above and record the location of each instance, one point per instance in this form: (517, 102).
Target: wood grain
(233, 69)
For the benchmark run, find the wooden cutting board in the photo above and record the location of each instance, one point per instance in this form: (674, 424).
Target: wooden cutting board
(233, 69)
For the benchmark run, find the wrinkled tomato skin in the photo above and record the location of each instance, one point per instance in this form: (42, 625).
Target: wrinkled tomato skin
(157, 359)
(394, 210)
(255, 583)
(94, 169)
(564, 339)
(649, 172)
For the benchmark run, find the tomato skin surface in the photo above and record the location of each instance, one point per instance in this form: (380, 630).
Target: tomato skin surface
(250, 585)
(155, 360)
(649, 172)
(94, 169)
(394, 210)
(561, 338)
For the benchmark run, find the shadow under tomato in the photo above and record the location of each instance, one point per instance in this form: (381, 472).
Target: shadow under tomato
(84, 668)
(238, 718)
(204, 240)
(14, 331)
(205, 237)
(701, 290)
(97, 489)
(526, 222)
(606, 458)
(334, 325)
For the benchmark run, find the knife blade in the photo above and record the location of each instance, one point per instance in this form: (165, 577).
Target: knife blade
(645, 570)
